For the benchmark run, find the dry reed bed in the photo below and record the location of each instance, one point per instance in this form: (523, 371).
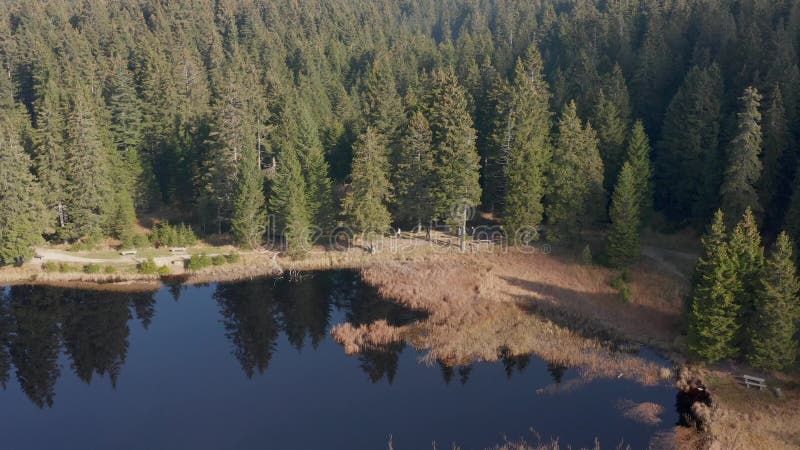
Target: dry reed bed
(365, 337)
(481, 307)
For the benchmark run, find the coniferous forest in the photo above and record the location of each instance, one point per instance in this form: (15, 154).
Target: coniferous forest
(239, 118)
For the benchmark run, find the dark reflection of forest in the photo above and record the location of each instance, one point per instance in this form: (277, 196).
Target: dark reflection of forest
(91, 328)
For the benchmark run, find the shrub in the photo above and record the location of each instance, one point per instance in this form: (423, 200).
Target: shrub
(200, 261)
(87, 243)
(50, 266)
(92, 268)
(586, 255)
(620, 283)
(110, 269)
(148, 267)
(166, 235)
(218, 260)
(163, 270)
(233, 258)
(64, 267)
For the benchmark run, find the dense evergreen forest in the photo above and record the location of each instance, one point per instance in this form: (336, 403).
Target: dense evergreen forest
(392, 112)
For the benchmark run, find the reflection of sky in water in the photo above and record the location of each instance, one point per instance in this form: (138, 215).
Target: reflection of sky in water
(182, 382)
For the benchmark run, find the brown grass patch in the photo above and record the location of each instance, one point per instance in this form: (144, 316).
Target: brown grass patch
(484, 306)
(646, 413)
(365, 337)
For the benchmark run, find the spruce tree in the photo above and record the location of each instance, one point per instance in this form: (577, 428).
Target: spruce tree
(528, 152)
(249, 222)
(688, 165)
(639, 158)
(775, 183)
(738, 191)
(714, 312)
(575, 196)
(382, 106)
(21, 205)
(623, 239)
(747, 255)
(413, 173)
(319, 196)
(287, 202)
(90, 186)
(773, 328)
(365, 204)
(127, 133)
(50, 156)
(456, 161)
(611, 129)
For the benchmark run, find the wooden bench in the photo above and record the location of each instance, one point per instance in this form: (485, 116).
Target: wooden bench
(128, 252)
(178, 250)
(751, 381)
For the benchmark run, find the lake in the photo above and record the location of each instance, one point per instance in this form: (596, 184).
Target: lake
(251, 365)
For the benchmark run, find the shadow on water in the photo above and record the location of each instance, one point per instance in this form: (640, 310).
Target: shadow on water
(48, 334)
(38, 323)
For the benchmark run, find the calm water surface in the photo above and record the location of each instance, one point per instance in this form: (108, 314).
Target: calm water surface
(251, 366)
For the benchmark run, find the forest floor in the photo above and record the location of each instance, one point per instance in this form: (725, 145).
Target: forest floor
(492, 301)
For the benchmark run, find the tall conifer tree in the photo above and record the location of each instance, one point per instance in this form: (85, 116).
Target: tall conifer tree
(369, 192)
(774, 325)
(575, 197)
(623, 239)
(714, 312)
(738, 191)
(529, 149)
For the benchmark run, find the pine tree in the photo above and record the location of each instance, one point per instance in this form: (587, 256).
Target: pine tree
(456, 168)
(365, 204)
(89, 165)
(775, 183)
(747, 256)
(713, 312)
(287, 202)
(249, 222)
(772, 330)
(413, 173)
(575, 196)
(611, 129)
(496, 143)
(738, 191)
(638, 156)
(529, 149)
(21, 205)
(623, 239)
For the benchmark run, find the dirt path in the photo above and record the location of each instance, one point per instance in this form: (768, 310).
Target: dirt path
(48, 255)
(660, 255)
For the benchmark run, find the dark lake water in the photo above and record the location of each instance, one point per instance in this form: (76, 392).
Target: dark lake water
(251, 366)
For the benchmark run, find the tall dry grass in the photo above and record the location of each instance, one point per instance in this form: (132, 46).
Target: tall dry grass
(483, 306)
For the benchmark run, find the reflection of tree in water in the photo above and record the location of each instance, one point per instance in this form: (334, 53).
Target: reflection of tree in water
(93, 327)
(556, 372)
(249, 316)
(5, 332)
(518, 363)
(34, 343)
(95, 330)
(378, 364)
(448, 371)
(304, 309)
(144, 306)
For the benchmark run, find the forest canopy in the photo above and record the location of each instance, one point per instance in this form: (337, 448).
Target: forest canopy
(227, 113)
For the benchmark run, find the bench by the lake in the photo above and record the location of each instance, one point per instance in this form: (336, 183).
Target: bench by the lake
(751, 381)
(128, 252)
(177, 250)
